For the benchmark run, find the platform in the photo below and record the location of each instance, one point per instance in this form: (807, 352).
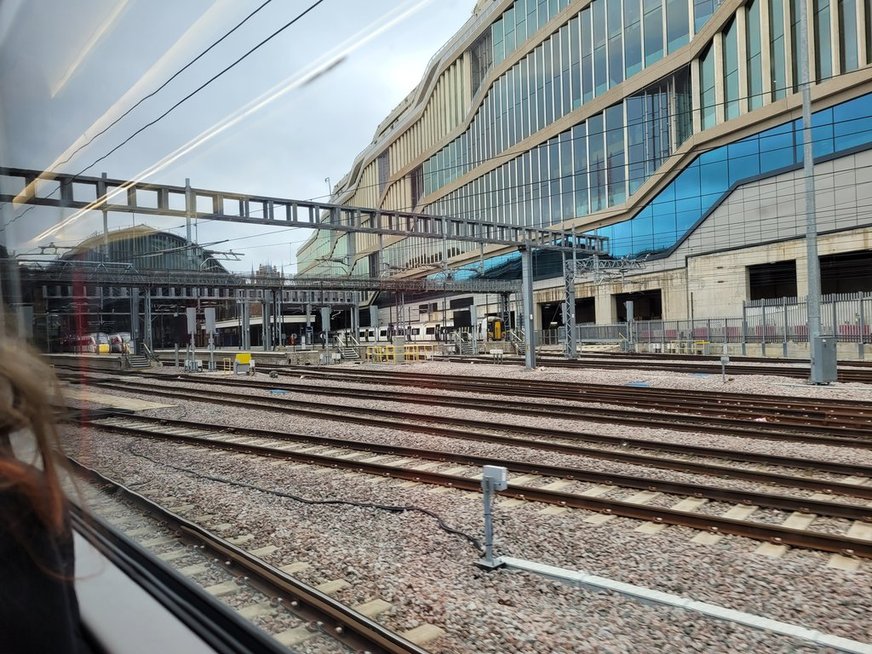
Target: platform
(110, 362)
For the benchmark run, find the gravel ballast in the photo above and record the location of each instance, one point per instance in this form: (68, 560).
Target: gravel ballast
(429, 576)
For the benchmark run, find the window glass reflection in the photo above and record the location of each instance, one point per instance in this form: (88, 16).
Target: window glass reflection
(755, 59)
(677, 24)
(823, 43)
(653, 30)
(848, 33)
(778, 68)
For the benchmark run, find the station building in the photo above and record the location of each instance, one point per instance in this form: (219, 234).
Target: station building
(64, 310)
(671, 128)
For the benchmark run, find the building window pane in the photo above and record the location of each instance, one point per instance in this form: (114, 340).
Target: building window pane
(636, 150)
(587, 56)
(579, 145)
(869, 31)
(544, 177)
(731, 70)
(653, 31)
(794, 40)
(848, 33)
(565, 64)
(702, 11)
(600, 64)
(575, 62)
(616, 47)
(497, 39)
(632, 37)
(755, 59)
(615, 154)
(707, 88)
(597, 163)
(683, 120)
(776, 38)
(823, 46)
(677, 24)
(567, 179)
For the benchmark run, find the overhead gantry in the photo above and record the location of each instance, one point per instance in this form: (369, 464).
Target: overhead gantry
(146, 198)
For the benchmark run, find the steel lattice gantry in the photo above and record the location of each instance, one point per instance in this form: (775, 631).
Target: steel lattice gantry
(138, 196)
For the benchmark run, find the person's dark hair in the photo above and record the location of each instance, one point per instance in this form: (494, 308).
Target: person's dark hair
(27, 387)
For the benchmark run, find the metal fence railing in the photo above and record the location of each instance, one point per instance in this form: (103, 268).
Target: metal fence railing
(845, 316)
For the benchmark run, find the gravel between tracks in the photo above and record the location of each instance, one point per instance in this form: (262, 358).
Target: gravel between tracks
(428, 574)
(429, 577)
(381, 400)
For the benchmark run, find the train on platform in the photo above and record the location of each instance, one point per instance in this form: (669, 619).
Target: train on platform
(490, 328)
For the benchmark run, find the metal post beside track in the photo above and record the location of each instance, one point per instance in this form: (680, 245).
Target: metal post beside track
(527, 293)
(494, 478)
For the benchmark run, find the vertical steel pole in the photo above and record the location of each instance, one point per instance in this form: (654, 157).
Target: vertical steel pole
(527, 293)
(861, 325)
(813, 264)
(763, 320)
(190, 209)
(784, 326)
(147, 335)
(744, 328)
(488, 499)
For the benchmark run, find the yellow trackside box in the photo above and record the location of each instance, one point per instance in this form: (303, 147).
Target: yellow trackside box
(243, 358)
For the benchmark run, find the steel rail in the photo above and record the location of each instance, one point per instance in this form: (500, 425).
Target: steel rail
(403, 423)
(364, 631)
(758, 531)
(768, 500)
(513, 406)
(657, 356)
(616, 441)
(843, 375)
(572, 390)
(852, 432)
(745, 429)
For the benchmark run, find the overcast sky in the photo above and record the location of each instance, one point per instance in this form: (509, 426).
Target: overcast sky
(65, 66)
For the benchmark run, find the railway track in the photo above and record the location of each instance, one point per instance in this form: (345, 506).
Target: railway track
(720, 410)
(561, 389)
(271, 444)
(850, 420)
(543, 439)
(844, 374)
(274, 592)
(657, 356)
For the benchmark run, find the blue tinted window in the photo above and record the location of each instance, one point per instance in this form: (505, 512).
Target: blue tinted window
(822, 132)
(777, 147)
(620, 238)
(743, 158)
(704, 183)
(852, 123)
(643, 231)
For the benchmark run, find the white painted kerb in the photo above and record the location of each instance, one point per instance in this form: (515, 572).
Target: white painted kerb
(649, 595)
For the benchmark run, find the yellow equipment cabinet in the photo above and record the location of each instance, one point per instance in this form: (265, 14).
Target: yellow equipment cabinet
(243, 363)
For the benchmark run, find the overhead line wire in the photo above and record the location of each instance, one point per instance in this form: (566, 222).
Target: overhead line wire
(164, 85)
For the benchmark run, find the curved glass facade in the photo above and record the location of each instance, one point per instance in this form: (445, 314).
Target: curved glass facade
(597, 49)
(700, 187)
(674, 212)
(600, 163)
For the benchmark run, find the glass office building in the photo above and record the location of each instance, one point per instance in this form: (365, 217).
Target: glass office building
(641, 121)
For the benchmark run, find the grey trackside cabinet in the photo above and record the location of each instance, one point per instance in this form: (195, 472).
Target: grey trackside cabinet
(824, 352)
